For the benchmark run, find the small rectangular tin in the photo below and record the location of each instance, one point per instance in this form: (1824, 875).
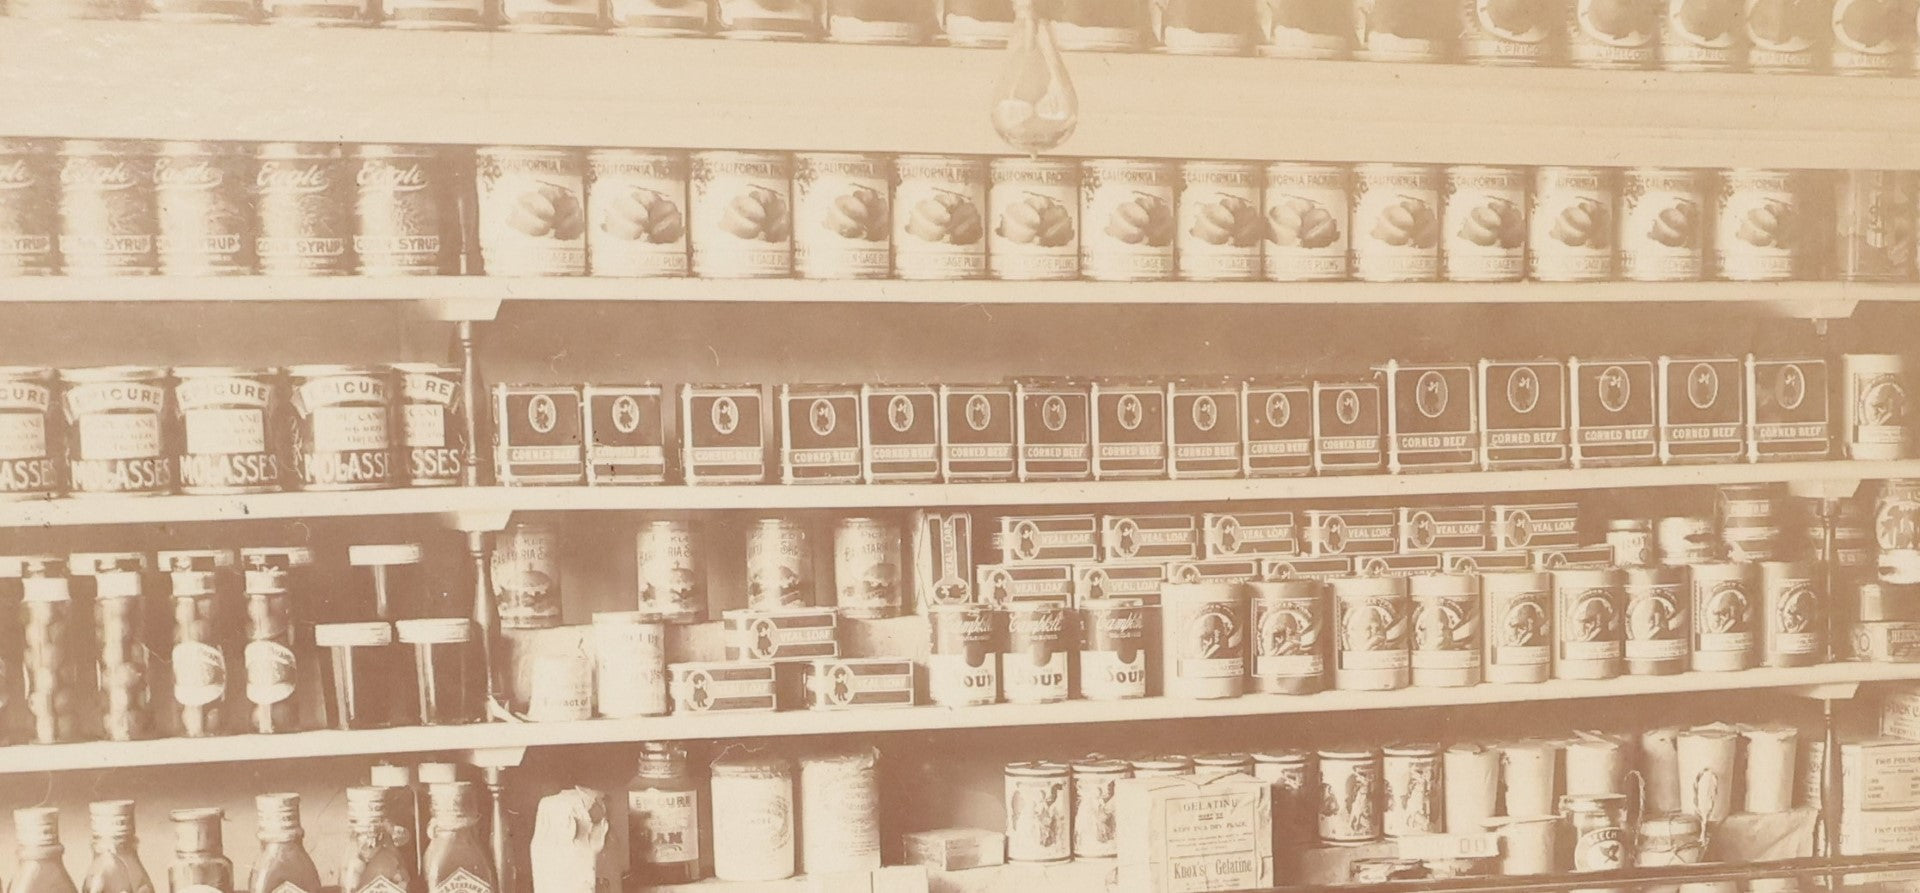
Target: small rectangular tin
(1454, 528)
(1788, 413)
(1615, 410)
(1548, 559)
(857, 683)
(1477, 562)
(723, 434)
(1055, 425)
(722, 686)
(977, 432)
(943, 557)
(1216, 570)
(820, 434)
(1005, 584)
(625, 434)
(1432, 422)
(1399, 565)
(795, 634)
(1204, 431)
(1149, 537)
(1523, 404)
(1302, 567)
(1125, 580)
(1350, 532)
(1349, 428)
(1703, 409)
(536, 435)
(1233, 535)
(1048, 539)
(900, 430)
(1535, 525)
(1129, 430)
(1276, 422)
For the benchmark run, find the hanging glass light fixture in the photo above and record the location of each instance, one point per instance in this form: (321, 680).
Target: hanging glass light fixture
(1034, 107)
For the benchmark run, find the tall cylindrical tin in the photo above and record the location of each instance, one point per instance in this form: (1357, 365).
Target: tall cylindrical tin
(843, 226)
(304, 200)
(1519, 617)
(963, 664)
(1114, 645)
(1571, 230)
(30, 449)
(867, 568)
(116, 433)
(433, 424)
(1590, 604)
(1291, 638)
(204, 197)
(1396, 220)
(1759, 229)
(1485, 224)
(839, 818)
(1127, 219)
(1220, 226)
(672, 568)
(1415, 803)
(742, 207)
(526, 576)
(1874, 240)
(1039, 812)
(342, 428)
(1723, 596)
(1371, 651)
(938, 228)
(779, 565)
(1035, 658)
(1795, 625)
(754, 816)
(1873, 408)
(1659, 620)
(403, 210)
(226, 418)
(1662, 224)
(532, 204)
(630, 664)
(1307, 211)
(1203, 639)
(1350, 796)
(1447, 630)
(1094, 823)
(109, 223)
(637, 200)
(1296, 794)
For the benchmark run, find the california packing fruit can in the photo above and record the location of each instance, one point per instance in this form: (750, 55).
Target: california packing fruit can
(553, 16)
(1095, 826)
(963, 664)
(779, 565)
(1697, 36)
(1591, 604)
(1502, 32)
(1875, 211)
(404, 222)
(341, 428)
(1291, 637)
(1571, 232)
(29, 433)
(1034, 660)
(1396, 216)
(1114, 645)
(1873, 407)
(525, 572)
(1870, 37)
(1373, 616)
(1519, 617)
(226, 418)
(204, 200)
(742, 214)
(108, 222)
(433, 423)
(1724, 606)
(905, 23)
(1127, 219)
(29, 207)
(938, 228)
(1039, 813)
(1304, 29)
(843, 228)
(304, 198)
(1785, 37)
(1659, 620)
(1662, 224)
(1350, 795)
(1485, 226)
(1412, 788)
(867, 568)
(1109, 26)
(637, 201)
(1447, 630)
(1758, 230)
(1403, 30)
(1220, 222)
(670, 560)
(660, 18)
(1612, 33)
(116, 430)
(1034, 204)
(532, 207)
(1203, 640)
(769, 19)
(1795, 614)
(1307, 211)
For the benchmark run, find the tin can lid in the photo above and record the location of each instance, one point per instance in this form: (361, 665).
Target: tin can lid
(1095, 764)
(1287, 756)
(1590, 802)
(1037, 769)
(352, 635)
(328, 370)
(740, 761)
(197, 830)
(1223, 760)
(190, 148)
(395, 150)
(1349, 752)
(201, 560)
(435, 631)
(437, 772)
(96, 374)
(42, 374)
(384, 554)
(662, 760)
(626, 154)
(388, 775)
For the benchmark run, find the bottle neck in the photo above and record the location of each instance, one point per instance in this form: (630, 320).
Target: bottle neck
(112, 843)
(42, 853)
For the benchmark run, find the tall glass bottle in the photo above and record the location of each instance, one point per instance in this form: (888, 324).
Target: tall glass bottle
(116, 864)
(200, 663)
(284, 865)
(42, 869)
(380, 856)
(199, 863)
(273, 677)
(663, 818)
(457, 860)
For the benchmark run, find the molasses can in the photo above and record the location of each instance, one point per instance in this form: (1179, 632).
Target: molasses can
(116, 432)
(433, 428)
(341, 428)
(29, 433)
(226, 417)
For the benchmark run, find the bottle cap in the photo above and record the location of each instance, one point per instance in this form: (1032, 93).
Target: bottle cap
(197, 830)
(437, 773)
(111, 818)
(278, 816)
(366, 805)
(387, 775)
(36, 827)
(454, 803)
(662, 761)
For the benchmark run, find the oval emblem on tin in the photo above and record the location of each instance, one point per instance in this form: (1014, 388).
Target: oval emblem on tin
(1053, 413)
(1229, 536)
(979, 412)
(542, 414)
(1206, 413)
(900, 413)
(1615, 388)
(1523, 389)
(1519, 529)
(1336, 534)
(1790, 389)
(725, 415)
(1097, 583)
(764, 635)
(1347, 407)
(1288, 629)
(1703, 385)
(1279, 410)
(1130, 411)
(1128, 534)
(822, 417)
(1026, 540)
(1423, 531)
(999, 586)
(626, 415)
(1883, 403)
(840, 689)
(1430, 394)
(698, 696)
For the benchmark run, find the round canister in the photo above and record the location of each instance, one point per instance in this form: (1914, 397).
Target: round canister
(858, 21)
(1114, 644)
(532, 206)
(1397, 31)
(939, 231)
(226, 417)
(405, 222)
(1035, 659)
(29, 208)
(672, 569)
(108, 220)
(1519, 636)
(1203, 27)
(1034, 204)
(1874, 235)
(433, 423)
(1896, 515)
(1371, 651)
(1758, 230)
(1223, 763)
(840, 811)
(1631, 540)
(1162, 766)
(1127, 219)
(1290, 636)
(1670, 839)
(963, 665)
(1751, 521)
(1203, 639)
(1220, 224)
(1396, 222)
(204, 196)
(1696, 37)
(1484, 231)
(1447, 630)
(1415, 803)
(1590, 603)
(1296, 793)
(1350, 796)
(1658, 620)
(843, 226)
(1039, 812)
(1307, 210)
(1508, 34)
(742, 206)
(1611, 33)
(116, 437)
(1095, 827)
(867, 568)
(1686, 540)
(1471, 783)
(1662, 231)
(30, 464)
(754, 819)
(637, 203)
(1723, 615)
(1795, 625)
(304, 198)
(779, 565)
(562, 686)
(1781, 41)
(525, 573)
(1570, 235)
(1870, 39)
(1873, 408)
(630, 664)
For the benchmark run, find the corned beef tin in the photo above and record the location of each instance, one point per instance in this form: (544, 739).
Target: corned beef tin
(977, 434)
(433, 430)
(1055, 435)
(204, 197)
(820, 434)
(963, 666)
(29, 202)
(900, 428)
(1787, 409)
(625, 434)
(1524, 414)
(843, 227)
(1349, 433)
(1115, 644)
(1277, 425)
(1432, 422)
(536, 435)
(1615, 409)
(227, 417)
(722, 434)
(1307, 211)
(1035, 207)
(1205, 436)
(405, 223)
(1129, 431)
(108, 222)
(116, 431)
(532, 204)
(341, 423)
(939, 231)
(304, 199)
(1035, 658)
(1703, 409)
(29, 433)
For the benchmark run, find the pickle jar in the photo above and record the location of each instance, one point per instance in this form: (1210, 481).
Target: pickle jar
(47, 647)
(200, 658)
(123, 697)
(271, 660)
(443, 669)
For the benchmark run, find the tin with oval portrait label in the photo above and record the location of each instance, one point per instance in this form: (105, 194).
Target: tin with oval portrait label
(1291, 636)
(1795, 614)
(1203, 639)
(1520, 628)
(1129, 430)
(1591, 604)
(1372, 616)
(625, 434)
(1659, 620)
(723, 434)
(1447, 630)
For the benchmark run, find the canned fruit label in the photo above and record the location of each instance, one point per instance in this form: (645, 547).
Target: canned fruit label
(1612, 33)
(742, 215)
(1306, 228)
(525, 573)
(28, 202)
(1396, 212)
(938, 228)
(844, 224)
(107, 216)
(1486, 224)
(1220, 221)
(1662, 225)
(401, 213)
(1035, 208)
(305, 215)
(1403, 30)
(27, 464)
(224, 421)
(1700, 35)
(532, 212)
(722, 434)
(779, 567)
(1759, 225)
(1876, 224)
(1868, 36)
(1095, 827)
(1783, 35)
(205, 206)
(1572, 228)
(660, 18)
(867, 569)
(1304, 29)
(886, 23)
(1127, 214)
(1506, 32)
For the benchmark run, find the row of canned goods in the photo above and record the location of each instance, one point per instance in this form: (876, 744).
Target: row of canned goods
(219, 429)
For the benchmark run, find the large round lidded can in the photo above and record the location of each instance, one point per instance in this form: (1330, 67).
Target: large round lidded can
(1663, 224)
(963, 664)
(1162, 766)
(1403, 30)
(867, 568)
(637, 199)
(1659, 620)
(341, 428)
(226, 419)
(204, 203)
(1372, 616)
(843, 227)
(672, 568)
(116, 431)
(1870, 38)
(525, 573)
(1396, 222)
(1875, 212)
(553, 16)
(1723, 596)
(1220, 221)
(108, 222)
(1493, 32)
(1758, 231)
(1034, 659)
(779, 565)
(1127, 219)
(1296, 794)
(1447, 630)
(1350, 795)
(630, 669)
(29, 208)
(742, 209)
(1591, 606)
(1307, 207)
(1698, 36)
(449, 15)
(1203, 640)
(755, 824)
(1570, 236)
(29, 433)
(1485, 228)
(768, 19)
(1095, 827)
(1411, 785)
(1039, 812)
(532, 204)
(1519, 618)
(433, 423)
(1873, 406)
(1795, 625)
(1113, 649)
(304, 201)
(1034, 204)
(404, 223)
(1291, 638)
(1784, 38)
(659, 18)
(939, 231)
(1612, 33)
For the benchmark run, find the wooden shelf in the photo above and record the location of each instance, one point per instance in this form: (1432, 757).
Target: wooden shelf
(124, 79)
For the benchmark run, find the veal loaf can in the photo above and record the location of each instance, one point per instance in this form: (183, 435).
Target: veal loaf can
(1035, 656)
(843, 223)
(1203, 639)
(116, 437)
(532, 204)
(1306, 207)
(1291, 638)
(1114, 646)
(1034, 204)
(1220, 221)
(1590, 604)
(341, 428)
(1373, 616)
(963, 664)
(637, 203)
(226, 419)
(204, 199)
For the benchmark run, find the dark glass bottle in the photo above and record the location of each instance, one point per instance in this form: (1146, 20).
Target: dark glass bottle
(284, 865)
(116, 864)
(199, 864)
(663, 819)
(380, 856)
(42, 868)
(456, 860)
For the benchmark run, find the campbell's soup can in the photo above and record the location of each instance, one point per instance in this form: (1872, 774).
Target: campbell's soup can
(449, 15)
(1697, 36)
(1520, 634)
(433, 423)
(226, 417)
(1724, 595)
(404, 221)
(1662, 224)
(29, 433)
(843, 226)
(1612, 33)
(1034, 204)
(1039, 813)
(1114, 645)
(1507, 32)
(659, 18)
(938, 228)
(321, 12)
(1351, 796)
(1372, 648)
(1758, 229)
(963, 665)
(204, 202)
(1291, 637)
(1871, 37)
(1875, 212)
(1220, 221)
(341, 428)
(1485, 225)
(1571, 233)
(1304, 29)
(1095, 826)
(1659, 620)
(29, 208)
(1785, 37)
(1307, 209)
(1396, 220)
(671, 562)
(305, 204)
(637, 199)
(533, 219)
(525, 572)
(779, 565)
(769, 19)
(553, 16)
(1873, 408)
(108, 222)
(198, 11)
(1127, 219)
(1403, 30)
(116, 431)
(1034, 663)
(867, 568)
(742, 214)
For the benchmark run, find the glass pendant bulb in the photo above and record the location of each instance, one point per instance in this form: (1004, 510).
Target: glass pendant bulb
(1034, 106)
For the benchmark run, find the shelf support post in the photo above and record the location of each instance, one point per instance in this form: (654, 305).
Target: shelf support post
(1829, 722)
(496, 779)
(470, 399)
(485, 618)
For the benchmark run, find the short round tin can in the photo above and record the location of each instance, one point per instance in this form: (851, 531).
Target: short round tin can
(1296, 793)
(755, 818)
(445, 15)
(1659, 620)
(1591, 604)
(525, 573)
(1350, 796)
(553, 16)
(1750, 521)
(1447, 630)
(1105, 26)
(341, 428)
(1039, 812)
(1698, 36)
(29, 447)
(1485, 229)
(560, 687)
(1663, 217)
(29, 208)
(1396, 220)
(963, 665)
(976, 23)
(1307, 214)
(659, 18)
(116, 431)
(1162, 766)
(203, 195)
(1758, 229)
(843, 225)
(1127, 219)
(1403, 31)
(1519, 617)
(779, 565)
(1688, 539)
(1113, 649)
(1034, 661)
(1875, 212)
(1304, 29)
(907, 23)
(532, 204)
(1870, 38)
(1220, 221)
(304, 201)
(405, 224)
(226, 417)
(433, 424)
(1203, 640)
(1371, 650)
(1493, 32)
(1034, 204)
(1291, 638)
(1795, 624)
(1571, 231)
(939, 231)
(108, 221)
(768, 19)
(1873, 406)
(742, 214)
(630, 664)
(1612, 33)
(840, 810)
(1723, 596)
(867, 568)
(1784, 38)
(1411, 783)
(1631, 540)
(1095, 827)
(672, 568)
(637, 200)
